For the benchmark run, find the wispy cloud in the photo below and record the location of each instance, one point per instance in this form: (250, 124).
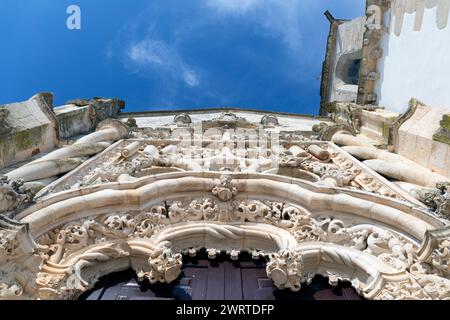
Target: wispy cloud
(235, 6)
(277, 18)
(190, 77)
(158, 56)
(149, 53)
(215, 49)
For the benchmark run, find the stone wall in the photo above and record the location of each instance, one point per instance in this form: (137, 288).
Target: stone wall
(82, 116)
(415, 140)
(27, 128)
(34, 126)
(370, 121)
(415, 51)
(341, 66)
(347, 57)
(376, 124)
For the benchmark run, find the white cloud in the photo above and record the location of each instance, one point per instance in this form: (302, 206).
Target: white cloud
(149, 52)
(278, 18)
(240, 6)
(190, 77)
(158, 56)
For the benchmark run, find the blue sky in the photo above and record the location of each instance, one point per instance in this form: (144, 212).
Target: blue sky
(167, 54)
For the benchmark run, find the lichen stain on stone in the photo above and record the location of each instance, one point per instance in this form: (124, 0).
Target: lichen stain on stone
(401, 7)
(445, 123)
(28, 138)
(87, 148)
(443, 133)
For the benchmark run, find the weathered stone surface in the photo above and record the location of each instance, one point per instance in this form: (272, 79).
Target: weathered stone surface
(82, 116)
(417, 139)
(306, 206)
(26, 128)
(443, 133)
(340, 70)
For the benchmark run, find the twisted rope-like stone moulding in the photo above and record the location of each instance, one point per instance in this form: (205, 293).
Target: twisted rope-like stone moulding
(386, 248)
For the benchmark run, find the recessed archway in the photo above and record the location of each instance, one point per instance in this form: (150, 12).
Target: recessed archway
(375, 243)
(219, 279)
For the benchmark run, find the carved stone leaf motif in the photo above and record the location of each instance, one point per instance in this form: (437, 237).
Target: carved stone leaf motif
(290, 161)
(9, 287)
(347, 173)
(292, 136)
(399, 290)
(165, 266)
(66, 281)
(423, 287)
(198, 209)
(286, 270)
(9, 246)
(58, 244)
(440, 258)
(323, 228)
(50, 286)
(229, 117)
(14, 194)
(225, 190)
(253, 211)
(147, 224)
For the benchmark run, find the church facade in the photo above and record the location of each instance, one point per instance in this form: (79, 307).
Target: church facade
(360, 195)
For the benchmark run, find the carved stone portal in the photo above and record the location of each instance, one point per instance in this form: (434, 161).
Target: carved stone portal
(66, 260)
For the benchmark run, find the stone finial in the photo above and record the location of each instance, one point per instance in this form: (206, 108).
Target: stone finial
(79, 102)
(131, 123)
(47, 97)
(212, 253)
(113, 124)
(319, 127)
(269, 121)
(182, 119)
(234, 254)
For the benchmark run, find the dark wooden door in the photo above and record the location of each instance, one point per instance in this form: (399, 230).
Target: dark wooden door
(219, 279)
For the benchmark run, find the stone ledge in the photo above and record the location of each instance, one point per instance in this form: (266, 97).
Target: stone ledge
(443, 133)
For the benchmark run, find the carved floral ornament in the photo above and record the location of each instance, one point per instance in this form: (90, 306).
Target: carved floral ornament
(66, 260)
(133, 159)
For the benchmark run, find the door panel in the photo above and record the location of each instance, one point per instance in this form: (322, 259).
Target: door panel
(219, 279)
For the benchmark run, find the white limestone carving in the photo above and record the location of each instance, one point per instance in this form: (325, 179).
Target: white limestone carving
(65, 256)
(423, 287)
(10, 195)
(164, 266)
(9, 287)
(405, 172)
(66, 159)
(286, 270)
(225, 190)
(121, 209)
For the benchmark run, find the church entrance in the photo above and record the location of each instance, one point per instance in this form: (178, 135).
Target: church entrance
(218, 279)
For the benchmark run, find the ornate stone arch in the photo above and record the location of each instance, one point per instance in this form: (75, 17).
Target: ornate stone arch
(386, 248)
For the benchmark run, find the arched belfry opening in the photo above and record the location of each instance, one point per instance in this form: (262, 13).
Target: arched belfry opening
(347, 71)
